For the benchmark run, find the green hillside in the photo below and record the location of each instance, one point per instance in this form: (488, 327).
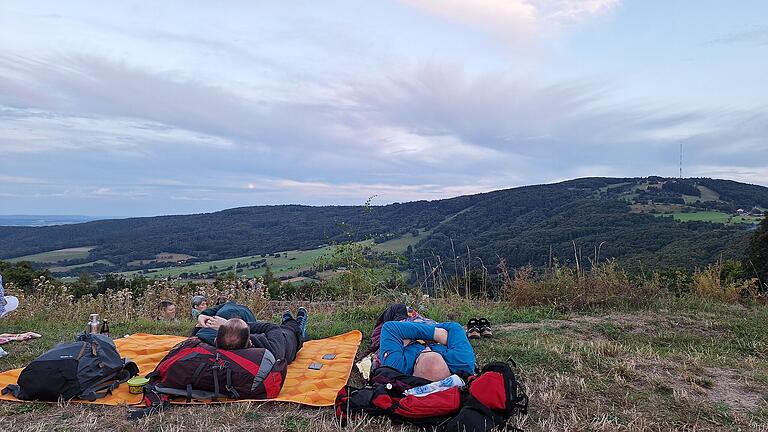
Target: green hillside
(535, 225)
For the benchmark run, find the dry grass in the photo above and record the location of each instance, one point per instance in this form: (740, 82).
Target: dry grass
(54, 301)
(572, 288)
(684, 365)
(708, 284)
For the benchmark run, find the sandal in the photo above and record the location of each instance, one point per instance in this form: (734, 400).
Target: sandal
(473, 330)
(485, 327)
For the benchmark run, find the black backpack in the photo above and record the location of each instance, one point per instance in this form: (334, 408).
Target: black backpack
(89, 369)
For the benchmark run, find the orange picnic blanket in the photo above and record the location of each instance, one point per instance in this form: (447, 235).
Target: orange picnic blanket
(302, 385)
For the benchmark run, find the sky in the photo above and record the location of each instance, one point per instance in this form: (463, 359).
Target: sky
(138, 108)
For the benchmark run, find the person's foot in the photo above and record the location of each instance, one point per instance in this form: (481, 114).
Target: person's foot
(301, 317)
(287, 315)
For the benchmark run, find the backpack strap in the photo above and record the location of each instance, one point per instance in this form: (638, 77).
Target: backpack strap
(104, 387)
(15, 390)
(229, 387)
(154, 403)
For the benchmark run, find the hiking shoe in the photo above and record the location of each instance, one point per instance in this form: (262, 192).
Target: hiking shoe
(301, 317)
(485, 327)
(287, 315)
(473, 330)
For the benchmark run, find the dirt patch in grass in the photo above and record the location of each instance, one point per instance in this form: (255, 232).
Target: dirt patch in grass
(647, 323)
(736, 389)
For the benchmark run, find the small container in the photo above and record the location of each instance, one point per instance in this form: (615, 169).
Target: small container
(105, 328)
(136, 385)
(94, 325)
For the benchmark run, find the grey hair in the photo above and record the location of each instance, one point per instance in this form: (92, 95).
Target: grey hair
(197, 300)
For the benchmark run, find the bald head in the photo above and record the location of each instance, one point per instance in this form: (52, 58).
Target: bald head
(431, 366)
(233, 334)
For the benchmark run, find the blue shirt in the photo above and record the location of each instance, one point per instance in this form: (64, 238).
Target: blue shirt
(458, 353)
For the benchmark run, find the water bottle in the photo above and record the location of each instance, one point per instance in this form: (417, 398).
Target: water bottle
(94, 325)
(433, 387)
(105, 328)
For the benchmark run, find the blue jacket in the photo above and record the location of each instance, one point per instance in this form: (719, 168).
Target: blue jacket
(458, 354)
(227, 310)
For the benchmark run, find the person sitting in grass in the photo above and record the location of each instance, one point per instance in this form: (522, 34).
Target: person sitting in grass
(166, 311)
(429, 351)
(199, 304)
(233, 326)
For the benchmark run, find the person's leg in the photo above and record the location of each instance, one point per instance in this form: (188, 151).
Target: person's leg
(291, 332)
(302, 317)
(247, 315)
(274, 338)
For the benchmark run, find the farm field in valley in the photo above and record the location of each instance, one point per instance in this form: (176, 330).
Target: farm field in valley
(712, 216)
(63, 269)
(280, 263)
(55, 255)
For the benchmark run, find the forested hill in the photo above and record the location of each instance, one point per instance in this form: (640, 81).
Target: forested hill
(642, 221)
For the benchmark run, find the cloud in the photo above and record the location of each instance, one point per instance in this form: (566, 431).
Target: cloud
(36, 131)
(513, 20)
(747, 174)
(756, 35)
(430, 131)
(21, 180)
(359, 192)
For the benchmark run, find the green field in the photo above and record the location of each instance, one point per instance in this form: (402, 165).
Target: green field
(56, 255)
(705, 216)
(708, 194)
(746, 219)
(712, 216)
(399, 245)
(288, 262)
(64, 269)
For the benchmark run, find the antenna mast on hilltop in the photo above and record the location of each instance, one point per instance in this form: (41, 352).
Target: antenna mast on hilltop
(681, 159)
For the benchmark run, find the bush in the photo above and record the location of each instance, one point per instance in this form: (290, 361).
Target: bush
(572, 288)
(756, 262)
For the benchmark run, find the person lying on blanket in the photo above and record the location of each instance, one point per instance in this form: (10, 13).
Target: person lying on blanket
(233, 326)
(445, 349)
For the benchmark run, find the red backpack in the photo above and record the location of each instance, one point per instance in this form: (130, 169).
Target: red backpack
(487, 401)
(196, 370)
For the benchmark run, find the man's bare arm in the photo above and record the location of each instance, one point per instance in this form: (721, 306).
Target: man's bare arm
(441, 336)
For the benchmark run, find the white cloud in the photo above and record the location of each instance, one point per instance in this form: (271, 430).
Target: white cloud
(21, 179)
(384, 192)
(514, 20)
(37, 131)
(747, 174)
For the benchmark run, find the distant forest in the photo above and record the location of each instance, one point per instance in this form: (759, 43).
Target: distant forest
(526, 225)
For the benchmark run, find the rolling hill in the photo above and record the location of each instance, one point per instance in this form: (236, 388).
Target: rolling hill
(624, 217)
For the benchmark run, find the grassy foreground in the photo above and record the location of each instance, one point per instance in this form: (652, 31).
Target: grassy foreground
(677, 365)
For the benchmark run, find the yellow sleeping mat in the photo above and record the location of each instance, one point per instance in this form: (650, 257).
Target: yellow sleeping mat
(302, 385)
